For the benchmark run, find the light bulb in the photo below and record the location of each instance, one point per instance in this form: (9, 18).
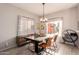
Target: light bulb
(43, 19)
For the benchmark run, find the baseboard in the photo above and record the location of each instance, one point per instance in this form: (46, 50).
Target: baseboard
(8, 48)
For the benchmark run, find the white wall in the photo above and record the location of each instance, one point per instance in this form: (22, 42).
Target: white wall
(78, 25)
(78, 16)
(8, 23)
(69, 18)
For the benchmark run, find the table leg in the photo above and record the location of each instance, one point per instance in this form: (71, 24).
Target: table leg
(36, 47)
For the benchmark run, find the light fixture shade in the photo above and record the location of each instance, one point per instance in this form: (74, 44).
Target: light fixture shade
(43, 19)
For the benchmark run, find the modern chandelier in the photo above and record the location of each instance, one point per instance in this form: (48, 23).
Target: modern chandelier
(43, 19)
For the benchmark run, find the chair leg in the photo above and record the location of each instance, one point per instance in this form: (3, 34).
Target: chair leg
(53, 50)
(50, 52)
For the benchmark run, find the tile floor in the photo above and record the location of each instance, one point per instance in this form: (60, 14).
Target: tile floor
(63, 49)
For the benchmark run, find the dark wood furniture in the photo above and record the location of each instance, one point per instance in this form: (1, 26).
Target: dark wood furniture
(36, 44)
(20, 41)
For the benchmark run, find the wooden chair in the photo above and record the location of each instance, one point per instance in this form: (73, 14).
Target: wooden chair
(50, 43)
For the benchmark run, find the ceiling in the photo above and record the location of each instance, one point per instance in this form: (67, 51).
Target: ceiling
(37, 8)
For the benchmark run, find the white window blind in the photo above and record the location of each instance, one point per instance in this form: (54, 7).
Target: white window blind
(25, 26)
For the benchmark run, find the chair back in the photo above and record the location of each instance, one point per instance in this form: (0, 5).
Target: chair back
(55, 38)
(49, 41)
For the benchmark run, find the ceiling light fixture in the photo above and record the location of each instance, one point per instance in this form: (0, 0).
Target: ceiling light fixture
(43, 19)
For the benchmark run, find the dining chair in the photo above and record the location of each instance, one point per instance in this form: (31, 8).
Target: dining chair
(49, 45)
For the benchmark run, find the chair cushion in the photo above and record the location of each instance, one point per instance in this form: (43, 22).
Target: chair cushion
(43, 45)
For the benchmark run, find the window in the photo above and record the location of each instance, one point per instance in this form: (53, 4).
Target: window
(25, 25)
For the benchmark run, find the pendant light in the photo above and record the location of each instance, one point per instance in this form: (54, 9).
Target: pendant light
(43, 19)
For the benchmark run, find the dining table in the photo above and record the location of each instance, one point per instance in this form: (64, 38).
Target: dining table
(36, 41)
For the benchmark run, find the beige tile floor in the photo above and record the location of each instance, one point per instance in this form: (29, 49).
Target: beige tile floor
(63, 49)
(17, 51)
(66, 49)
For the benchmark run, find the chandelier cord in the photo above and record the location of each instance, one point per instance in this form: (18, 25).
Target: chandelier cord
(43, 9)
(43, 19)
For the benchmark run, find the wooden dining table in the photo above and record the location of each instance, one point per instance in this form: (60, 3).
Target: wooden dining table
(36, 41)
